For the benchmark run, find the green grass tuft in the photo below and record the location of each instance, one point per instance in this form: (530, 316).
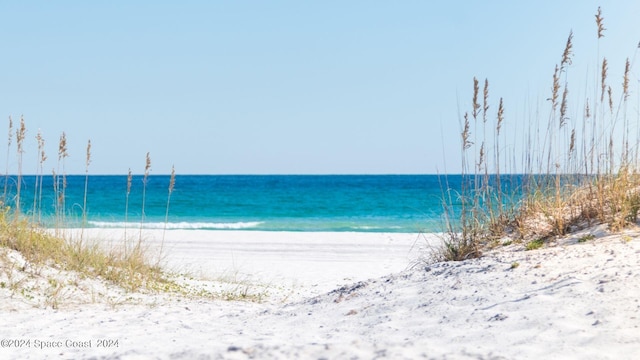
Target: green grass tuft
(535, 244)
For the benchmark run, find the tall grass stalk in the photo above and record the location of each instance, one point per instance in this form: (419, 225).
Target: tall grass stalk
(172, 182)
(126, 204)
(37, 193)
(6, 174)
(56, 206)
(147, 168)
(61, 188)
(20, 135)
(500, 117)
(86, 189)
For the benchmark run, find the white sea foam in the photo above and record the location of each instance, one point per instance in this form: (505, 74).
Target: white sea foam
(369, 227)
(177, 225)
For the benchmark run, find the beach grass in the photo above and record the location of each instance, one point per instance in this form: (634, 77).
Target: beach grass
(578, 164)
(132, 265)
(129, 270)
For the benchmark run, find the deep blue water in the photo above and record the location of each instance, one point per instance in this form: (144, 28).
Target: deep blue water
(371, 203)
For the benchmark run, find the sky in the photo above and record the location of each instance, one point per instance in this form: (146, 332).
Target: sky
(283, 87)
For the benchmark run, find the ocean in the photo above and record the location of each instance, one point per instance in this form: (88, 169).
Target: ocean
(360, 203)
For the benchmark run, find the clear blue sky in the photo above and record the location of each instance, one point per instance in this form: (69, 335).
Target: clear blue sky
(255, 87)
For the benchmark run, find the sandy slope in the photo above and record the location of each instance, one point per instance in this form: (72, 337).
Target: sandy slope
(571, 300)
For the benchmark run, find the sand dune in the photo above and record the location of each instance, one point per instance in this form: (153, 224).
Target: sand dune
(341, 295)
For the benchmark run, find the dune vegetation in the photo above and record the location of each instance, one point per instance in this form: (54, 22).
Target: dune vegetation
(579, 163)
(44, 264)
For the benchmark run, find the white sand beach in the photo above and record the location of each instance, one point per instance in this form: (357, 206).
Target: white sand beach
(348, 296)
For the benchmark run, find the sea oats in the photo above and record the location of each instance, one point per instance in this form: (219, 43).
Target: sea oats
(147, 166)
(466, 143)
(572, 143)
(485, 106)
(20, 135)
(37, 193)
(62, 147)
(88, 159)
(600, 23)
(590, 174)
(86, 189)
(563, 107)
(603, 78)
(500, 116)
(129, 178)
(476, 105)
(172, 180)
(555, 89)
(625, 81)
(41, 153)
(10, 130)
(126, 205)
(60, 189)
(566, 55)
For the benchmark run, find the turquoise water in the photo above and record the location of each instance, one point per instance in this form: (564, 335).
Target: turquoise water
(363, 203)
